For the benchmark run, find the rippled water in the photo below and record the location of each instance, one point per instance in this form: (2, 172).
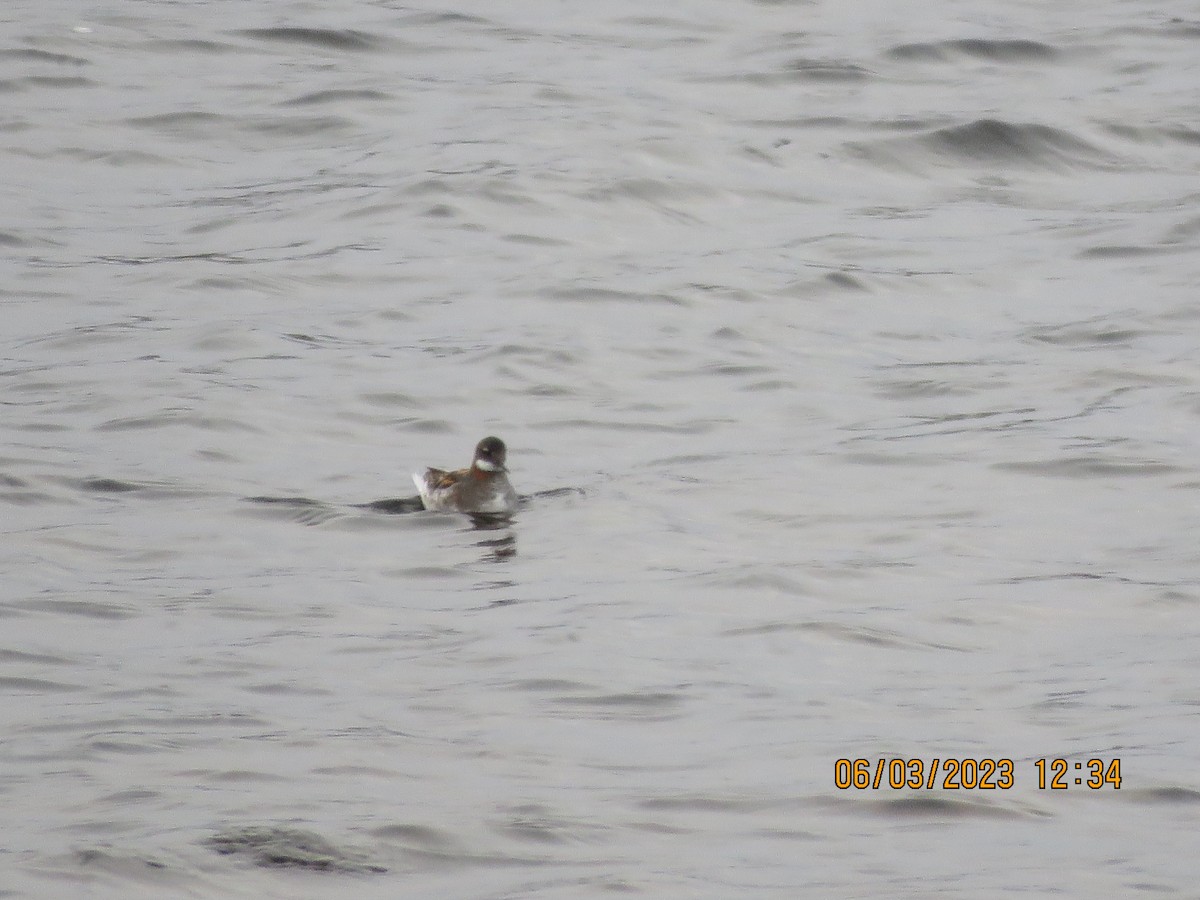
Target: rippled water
(849, 356)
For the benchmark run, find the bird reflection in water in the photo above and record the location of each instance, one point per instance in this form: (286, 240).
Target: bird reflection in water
(498, 548)
(501, 547)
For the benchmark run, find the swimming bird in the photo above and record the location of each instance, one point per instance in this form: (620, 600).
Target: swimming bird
(483, 488)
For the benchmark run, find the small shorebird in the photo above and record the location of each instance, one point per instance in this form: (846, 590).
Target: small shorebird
(482, 489)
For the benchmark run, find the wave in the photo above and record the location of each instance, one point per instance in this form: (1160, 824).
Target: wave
(989, 142)
(1013, 51)
(325, 38)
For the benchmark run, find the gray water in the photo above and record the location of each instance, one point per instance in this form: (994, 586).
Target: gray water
(849, 356)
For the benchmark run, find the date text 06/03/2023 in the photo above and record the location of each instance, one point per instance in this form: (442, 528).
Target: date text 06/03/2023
(973, 774)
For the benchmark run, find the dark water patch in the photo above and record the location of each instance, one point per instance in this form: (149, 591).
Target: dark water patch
(302, 510)
(146, 489)
(662, 828)
(88, 334)
(801, 123)
(796, 71)
(763, 156)
(86, 609)
(1096, 334)
(902, 124)
(542, 389)
(1187, 230)
(684, 460)
(663, 33)
(20, 656)
(15, 125)
(845, 281)
(222, 258)
(353, 771)
(551, 357)
(941, 808)
(1185, 28)
(912, 389)
(306, 339)
(1014, 51)
(56, 81)
(316, 98)
(108, 486)
(228, 283)
(131, 866)
(26, 496)
(157, 725)
(1000, 141)
(128, 744)
(342, 40)
(1173, 597)
(816, 70)
(535, 240)
(911, 427)
(393, 506)
(421, 836)
(724, 370)
(1169, 796)
(192, 122)
(10, 239)
(277, 847)
(712, 803)
(1089, 467)
(297, 126)
(121, 158)
(232, 776)
(760, 579)
(192, 45)
(533, 823)
(657, 193)
(1059, 701)
(495, 550)
(789, 835)
(280, 688)
(695, 427)
(1074, 576)
(649, 700)
(432, 573)
(138, 422)
(733, 369)
(991, 143)
(669, 23)
(17, 685)
(32, 55)
(170, 417)
(1126, 251)
(423, 425)
(560, 493)
(641, 706)
(440, 211)
(132, 796)
(1155, 134)
(429, 187)
(549, 685)
(907, 459)
(421, 19)
(855, 634)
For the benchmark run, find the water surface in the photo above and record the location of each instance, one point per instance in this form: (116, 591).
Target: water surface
(865, 337)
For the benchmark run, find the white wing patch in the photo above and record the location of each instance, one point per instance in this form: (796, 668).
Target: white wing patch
(422, 488)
